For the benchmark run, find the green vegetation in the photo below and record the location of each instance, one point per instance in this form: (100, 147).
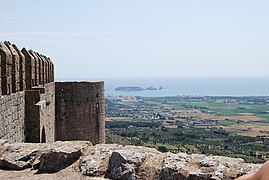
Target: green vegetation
(265, 121)
(266, 117)
(226, 122)
(223, 107)
(116, 139)
(189, 105)
(126, 124)
(211, 125)
(168, 147)
(195, 140)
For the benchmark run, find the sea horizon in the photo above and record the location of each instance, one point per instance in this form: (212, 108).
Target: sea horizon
(187, 86)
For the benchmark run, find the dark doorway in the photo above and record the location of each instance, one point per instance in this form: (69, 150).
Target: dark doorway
(43, 138)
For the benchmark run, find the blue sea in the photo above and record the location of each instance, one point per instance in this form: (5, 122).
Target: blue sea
(191, 86)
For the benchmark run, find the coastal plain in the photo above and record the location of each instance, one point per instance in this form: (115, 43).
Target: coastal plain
(219, 125)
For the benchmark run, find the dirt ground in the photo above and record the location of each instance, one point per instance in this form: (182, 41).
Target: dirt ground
(70, 173)
(198, 113)
(251, 130)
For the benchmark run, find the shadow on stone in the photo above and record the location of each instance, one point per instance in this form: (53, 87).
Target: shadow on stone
(52, 161)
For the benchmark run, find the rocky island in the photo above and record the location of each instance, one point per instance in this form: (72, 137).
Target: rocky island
(134, 88)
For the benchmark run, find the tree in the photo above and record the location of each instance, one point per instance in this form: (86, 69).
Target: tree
(162, 149)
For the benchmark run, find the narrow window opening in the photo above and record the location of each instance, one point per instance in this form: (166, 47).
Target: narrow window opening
(43, 136)
(97, 108)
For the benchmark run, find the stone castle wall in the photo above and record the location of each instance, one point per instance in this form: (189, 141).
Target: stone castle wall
(80, 111)
(47, 113)
(27, 95)
(36, 109)
(12, 109)
(40, 113)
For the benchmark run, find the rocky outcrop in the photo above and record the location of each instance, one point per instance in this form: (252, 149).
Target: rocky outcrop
(124, 163)
(114, 161)
(95, 162)
(44, 157)
(61, 155)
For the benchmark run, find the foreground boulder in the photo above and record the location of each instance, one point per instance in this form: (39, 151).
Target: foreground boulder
(95, 163)
(61, 155)
(44, 157)
(18, 156)
(173, 167)
(198, 166)
(112, 161)
(124, 163)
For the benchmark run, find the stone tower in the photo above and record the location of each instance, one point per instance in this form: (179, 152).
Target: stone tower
(80, 111)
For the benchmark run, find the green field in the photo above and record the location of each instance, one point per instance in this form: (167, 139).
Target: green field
(192, 140)
(224, 109)
(266, 117)
(226, 122)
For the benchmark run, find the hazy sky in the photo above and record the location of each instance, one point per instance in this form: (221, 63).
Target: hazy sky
(124, 38)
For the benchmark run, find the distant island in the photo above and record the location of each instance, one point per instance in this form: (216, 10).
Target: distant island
(136, 88)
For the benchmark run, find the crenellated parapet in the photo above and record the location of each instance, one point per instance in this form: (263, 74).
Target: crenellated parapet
(27, 95)
(23, 69)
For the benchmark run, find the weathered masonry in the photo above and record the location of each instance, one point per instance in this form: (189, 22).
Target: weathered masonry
(28, 101)
(80, 108)
(22, 113)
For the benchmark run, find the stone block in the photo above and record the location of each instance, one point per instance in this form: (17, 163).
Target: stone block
(21, 73)
(6, 62)
(41, 64)
(29, 69)
(14, 67)
(36, 70)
